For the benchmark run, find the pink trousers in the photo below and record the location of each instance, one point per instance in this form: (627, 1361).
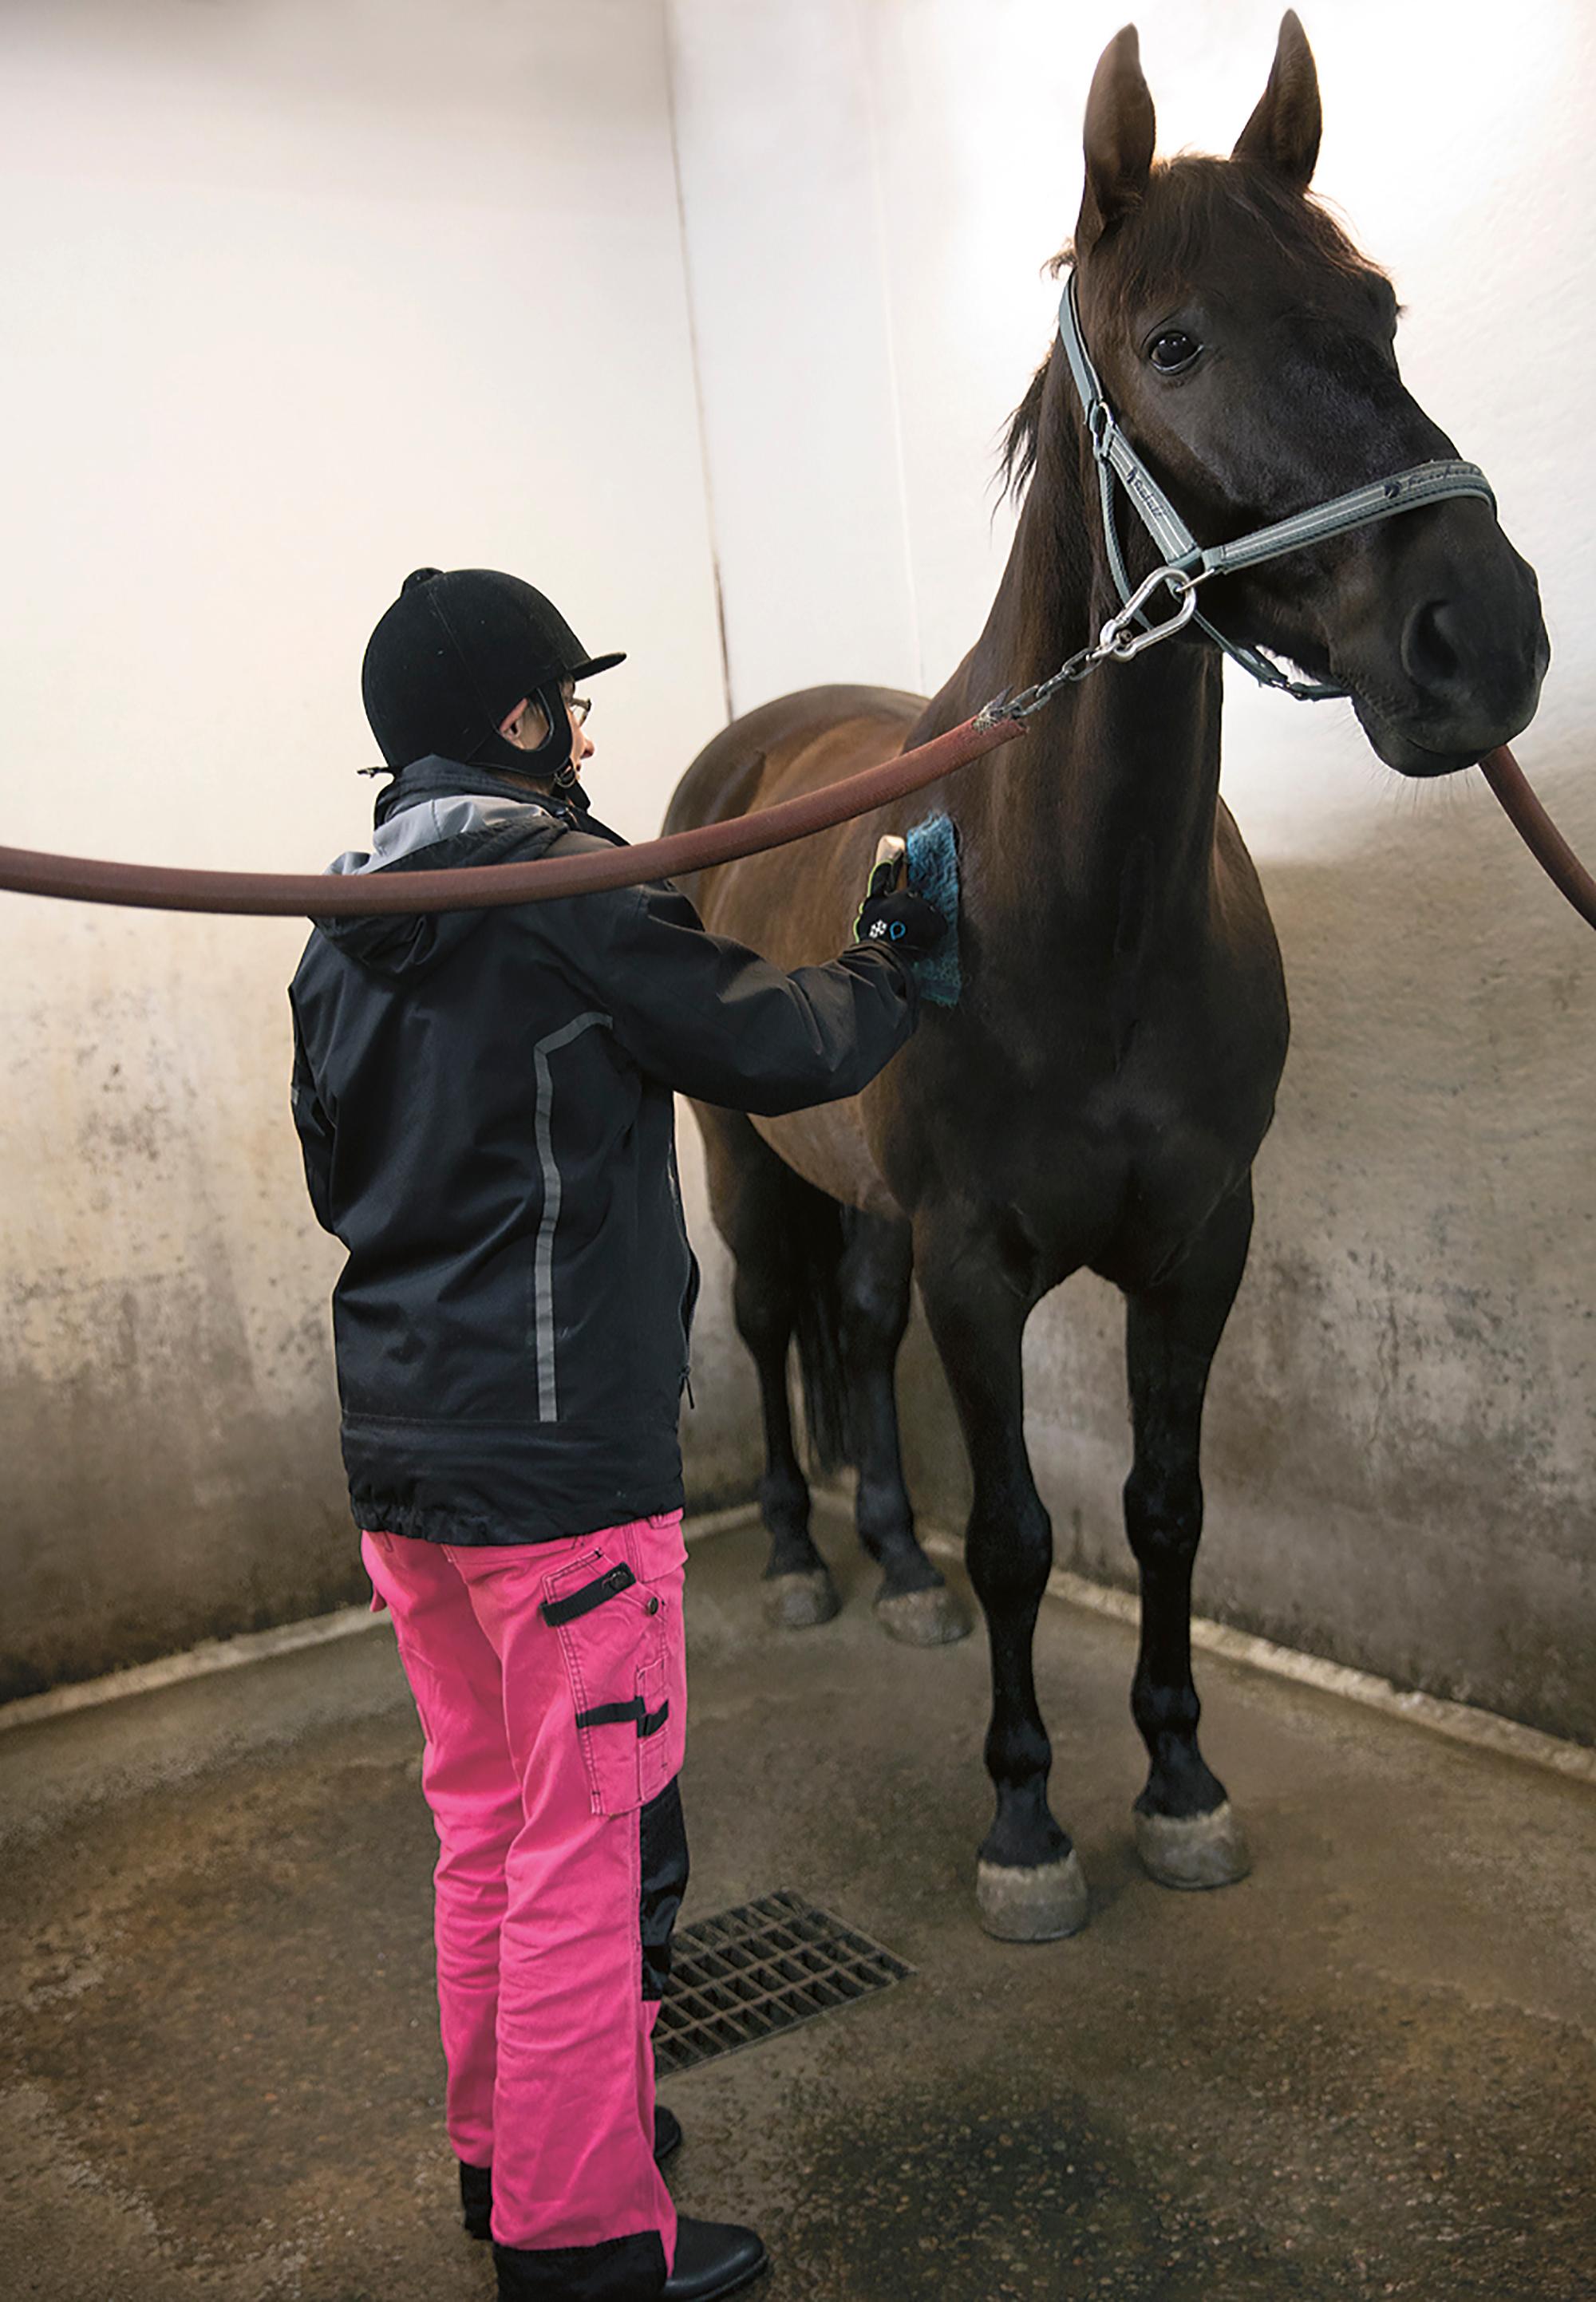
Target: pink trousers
(551, 1681)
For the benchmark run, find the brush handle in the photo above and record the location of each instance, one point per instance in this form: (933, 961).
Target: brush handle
(889, 864)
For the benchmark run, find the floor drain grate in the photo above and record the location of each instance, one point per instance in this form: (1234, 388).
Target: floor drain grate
(749, 1973)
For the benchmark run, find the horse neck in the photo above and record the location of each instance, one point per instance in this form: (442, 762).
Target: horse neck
(1117, 779)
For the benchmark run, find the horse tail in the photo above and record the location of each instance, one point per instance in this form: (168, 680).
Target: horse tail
(817, 1233)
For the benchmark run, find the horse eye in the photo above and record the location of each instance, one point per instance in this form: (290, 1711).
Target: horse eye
(1172, 351)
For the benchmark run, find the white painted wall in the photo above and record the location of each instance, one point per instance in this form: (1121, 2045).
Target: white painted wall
(1402, 1439)
(297, 298)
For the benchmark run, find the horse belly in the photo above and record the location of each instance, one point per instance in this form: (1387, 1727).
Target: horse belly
(828, 1146)
(796, 905)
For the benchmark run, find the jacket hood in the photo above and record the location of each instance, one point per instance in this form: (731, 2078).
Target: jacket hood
(436, 815)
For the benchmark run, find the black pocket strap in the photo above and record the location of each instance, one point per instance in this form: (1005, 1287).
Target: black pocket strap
(609, 1585)
(622, 1714)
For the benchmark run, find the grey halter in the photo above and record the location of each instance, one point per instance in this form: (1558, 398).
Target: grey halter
(1185, 563)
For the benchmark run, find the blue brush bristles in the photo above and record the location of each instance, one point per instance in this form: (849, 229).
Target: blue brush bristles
(931, 868)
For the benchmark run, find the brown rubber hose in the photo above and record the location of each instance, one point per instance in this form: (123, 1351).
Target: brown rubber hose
(1539, 833)
(317, 896)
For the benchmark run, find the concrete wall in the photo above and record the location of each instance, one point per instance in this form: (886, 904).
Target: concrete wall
(1401, 1456)
(299, 296)
(296, 299)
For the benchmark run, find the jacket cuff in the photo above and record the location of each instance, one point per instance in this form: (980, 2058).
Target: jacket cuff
(904, 968)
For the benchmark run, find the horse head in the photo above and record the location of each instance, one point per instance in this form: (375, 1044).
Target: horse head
(1248, 350)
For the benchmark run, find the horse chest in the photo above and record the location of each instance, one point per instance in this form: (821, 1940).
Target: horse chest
(1117, 1181)
(1093, 1145)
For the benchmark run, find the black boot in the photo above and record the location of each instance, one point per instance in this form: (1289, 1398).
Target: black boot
(476, 2198)
(476, 2182)
(713, 2259)
(616, 2270)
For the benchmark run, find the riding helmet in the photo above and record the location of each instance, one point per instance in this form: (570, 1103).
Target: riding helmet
(454, 655)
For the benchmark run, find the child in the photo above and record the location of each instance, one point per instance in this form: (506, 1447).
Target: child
(484, 1101)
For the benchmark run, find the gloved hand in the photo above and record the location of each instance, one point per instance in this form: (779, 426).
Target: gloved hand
(897, 917)
(905, 922)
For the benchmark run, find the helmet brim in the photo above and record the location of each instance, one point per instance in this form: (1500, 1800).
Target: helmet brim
(595, 663)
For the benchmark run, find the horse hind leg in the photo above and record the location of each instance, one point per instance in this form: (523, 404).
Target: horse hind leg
(1187, 1832)
(914, 1603)
(757, 1206)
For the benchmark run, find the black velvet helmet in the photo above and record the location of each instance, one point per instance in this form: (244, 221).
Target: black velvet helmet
(454, 655)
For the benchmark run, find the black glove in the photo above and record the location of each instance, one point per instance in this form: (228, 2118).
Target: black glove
(893, 916)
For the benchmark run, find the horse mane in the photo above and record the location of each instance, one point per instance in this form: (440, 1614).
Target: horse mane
(1017, 459)
(1160, 243)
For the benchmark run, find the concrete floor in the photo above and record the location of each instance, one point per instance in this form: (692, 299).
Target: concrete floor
(1370, 2070)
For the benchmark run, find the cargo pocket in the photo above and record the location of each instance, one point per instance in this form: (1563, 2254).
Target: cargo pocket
(659, 1752)
(608, 1626)
(663, 1556)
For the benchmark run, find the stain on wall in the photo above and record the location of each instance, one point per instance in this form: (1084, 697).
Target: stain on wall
(168, 1406)
(264, 365)
(1400, 1443)
(1401, 1453)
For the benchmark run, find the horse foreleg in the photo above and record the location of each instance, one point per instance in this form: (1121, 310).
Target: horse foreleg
(1187, 1833)
(1029, 1887)
(914, 1603)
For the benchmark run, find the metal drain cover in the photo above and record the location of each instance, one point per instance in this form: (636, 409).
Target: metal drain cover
(763, 1968)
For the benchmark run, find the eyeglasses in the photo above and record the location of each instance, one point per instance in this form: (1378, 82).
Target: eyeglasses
(579, 706)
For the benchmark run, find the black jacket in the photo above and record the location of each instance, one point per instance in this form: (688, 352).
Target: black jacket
(484, 1103)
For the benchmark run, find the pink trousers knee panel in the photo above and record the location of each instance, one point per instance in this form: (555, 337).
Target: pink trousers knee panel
(551, 1681)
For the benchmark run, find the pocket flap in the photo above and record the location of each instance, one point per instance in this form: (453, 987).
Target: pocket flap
(608, 1585)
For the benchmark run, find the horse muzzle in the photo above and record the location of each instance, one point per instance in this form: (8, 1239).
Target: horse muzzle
(1459, 672)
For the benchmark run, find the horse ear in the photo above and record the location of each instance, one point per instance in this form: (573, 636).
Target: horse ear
(1119, 138)
(1283, 132)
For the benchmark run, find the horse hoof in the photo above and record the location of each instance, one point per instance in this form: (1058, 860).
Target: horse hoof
(933, 1618)
(1193, 1851)
(1040, 1904)
(795, 1603)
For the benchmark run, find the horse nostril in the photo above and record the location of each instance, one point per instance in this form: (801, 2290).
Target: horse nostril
(1431, 656)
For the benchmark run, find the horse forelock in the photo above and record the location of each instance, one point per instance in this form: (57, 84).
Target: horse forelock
(1200, 212)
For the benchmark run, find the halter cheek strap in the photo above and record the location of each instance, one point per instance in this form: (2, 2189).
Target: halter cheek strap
(1185, 562)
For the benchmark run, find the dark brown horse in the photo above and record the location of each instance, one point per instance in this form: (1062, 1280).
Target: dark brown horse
(1098, 1095)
